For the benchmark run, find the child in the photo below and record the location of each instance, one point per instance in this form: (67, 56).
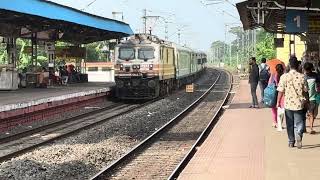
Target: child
(311, 78)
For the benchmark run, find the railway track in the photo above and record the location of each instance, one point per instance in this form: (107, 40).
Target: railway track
(17, 144)
(50, 125)
(171, 146)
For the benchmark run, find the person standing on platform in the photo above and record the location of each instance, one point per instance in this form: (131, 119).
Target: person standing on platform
(294, 86)
(312, 79)
(264, 75)
(64, 75)
(277, 116)
(253, 81)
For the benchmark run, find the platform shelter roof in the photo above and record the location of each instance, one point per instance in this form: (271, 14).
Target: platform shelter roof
(271, 15)
(52, 21)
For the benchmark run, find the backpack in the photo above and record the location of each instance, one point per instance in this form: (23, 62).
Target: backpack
(270, 95)
(264, 74)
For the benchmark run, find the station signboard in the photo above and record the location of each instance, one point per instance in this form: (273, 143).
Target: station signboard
(296, 22)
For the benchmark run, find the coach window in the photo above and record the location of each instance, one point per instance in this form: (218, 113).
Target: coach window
(146, 53)
(126, 53)
(93, 69)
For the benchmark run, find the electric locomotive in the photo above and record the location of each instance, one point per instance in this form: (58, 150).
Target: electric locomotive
(147, 67)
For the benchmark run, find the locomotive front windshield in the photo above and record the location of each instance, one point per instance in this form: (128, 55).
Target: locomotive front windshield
(146, 53)
(126, 53)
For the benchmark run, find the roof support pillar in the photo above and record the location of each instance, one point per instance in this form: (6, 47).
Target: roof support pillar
(50, 49)
(34, 51)
(12, 51)
(9, 77)
(292, 45)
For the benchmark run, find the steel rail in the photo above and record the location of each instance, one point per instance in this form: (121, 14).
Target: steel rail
(178, 117)
(54, 124)
(201, 138)
(68, 134)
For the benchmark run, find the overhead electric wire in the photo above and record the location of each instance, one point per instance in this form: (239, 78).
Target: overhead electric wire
(88, 5)
(220, 10)
(231, 3)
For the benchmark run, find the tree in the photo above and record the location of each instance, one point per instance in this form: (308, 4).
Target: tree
(242, 47)
(95, 51)
(218, 47)
(266, 48)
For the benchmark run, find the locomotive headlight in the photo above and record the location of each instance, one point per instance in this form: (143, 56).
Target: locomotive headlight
(120, 84)
(121, 67)
(152, 84)
(150, 66)
(136, 67)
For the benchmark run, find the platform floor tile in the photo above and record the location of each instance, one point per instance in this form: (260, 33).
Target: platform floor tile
(244, 146)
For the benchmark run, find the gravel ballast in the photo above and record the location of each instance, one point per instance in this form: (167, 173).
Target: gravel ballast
(84, 154)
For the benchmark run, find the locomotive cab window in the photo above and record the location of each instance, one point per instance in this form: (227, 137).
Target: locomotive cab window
(126, 53)
(146, 53)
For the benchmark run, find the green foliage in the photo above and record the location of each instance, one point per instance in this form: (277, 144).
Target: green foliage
(3, 54)
(218, 47)
(265, 48)
(242, 48)
(95, 51)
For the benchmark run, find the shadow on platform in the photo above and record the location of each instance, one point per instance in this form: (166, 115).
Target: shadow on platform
(240, 106)
(311, 146)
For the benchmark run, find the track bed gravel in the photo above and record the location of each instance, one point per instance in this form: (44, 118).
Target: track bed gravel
(159, 158)
(84, 154)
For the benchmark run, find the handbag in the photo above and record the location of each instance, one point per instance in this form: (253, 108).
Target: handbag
(270, 94)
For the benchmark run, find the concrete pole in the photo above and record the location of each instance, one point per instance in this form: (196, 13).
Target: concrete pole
(10, 76)
(248, 44)
(179, 36)
(255, 42)
(50, 48)
(224, 44)
(242, 45)
(294, 45)
(166, 30)
(12, 51)
(290, 46)
(213, 54)
(237, 53)
(218, 53)
(34, 51)
(144, 17)
(230, 51)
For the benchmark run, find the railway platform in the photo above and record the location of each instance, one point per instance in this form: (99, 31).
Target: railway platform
(244, 146)
(18, 104)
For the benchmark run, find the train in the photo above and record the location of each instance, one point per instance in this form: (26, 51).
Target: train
(147, 67)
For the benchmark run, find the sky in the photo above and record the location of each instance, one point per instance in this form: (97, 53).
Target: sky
(200, 25)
